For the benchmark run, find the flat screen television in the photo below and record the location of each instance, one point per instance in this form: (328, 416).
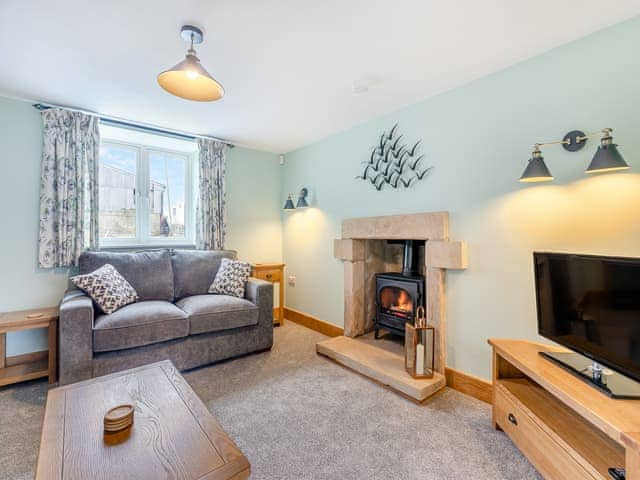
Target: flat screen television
(591, 305)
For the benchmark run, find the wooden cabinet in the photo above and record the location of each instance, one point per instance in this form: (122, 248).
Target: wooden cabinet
(551, 452)
(274, 273)
(565, 428)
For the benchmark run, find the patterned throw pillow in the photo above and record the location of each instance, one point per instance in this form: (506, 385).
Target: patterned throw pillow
(107, 288)
(231, 278)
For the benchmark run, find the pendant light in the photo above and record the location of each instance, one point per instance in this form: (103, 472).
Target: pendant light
(189, 79)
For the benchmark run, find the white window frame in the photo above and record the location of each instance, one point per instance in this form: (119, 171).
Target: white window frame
(143, 238)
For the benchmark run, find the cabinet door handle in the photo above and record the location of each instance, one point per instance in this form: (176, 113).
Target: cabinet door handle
(269, 275)
(511, 417)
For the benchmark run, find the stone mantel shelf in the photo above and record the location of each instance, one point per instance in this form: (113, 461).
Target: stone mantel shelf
(415, 226)
(360, 247)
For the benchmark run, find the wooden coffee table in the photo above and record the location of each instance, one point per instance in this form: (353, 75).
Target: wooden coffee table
(173, 436)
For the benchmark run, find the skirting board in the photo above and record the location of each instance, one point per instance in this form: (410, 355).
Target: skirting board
(460, 381)
(470, 385)
(326, 328)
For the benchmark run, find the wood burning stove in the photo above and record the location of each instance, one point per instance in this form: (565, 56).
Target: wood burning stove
(398, 295)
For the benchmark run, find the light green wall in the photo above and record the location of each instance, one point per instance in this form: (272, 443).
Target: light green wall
(478, 138)
(253, 201)
(23, 284)
(254, 223)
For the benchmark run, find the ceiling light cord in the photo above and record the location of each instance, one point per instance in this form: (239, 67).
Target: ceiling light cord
(191, 51)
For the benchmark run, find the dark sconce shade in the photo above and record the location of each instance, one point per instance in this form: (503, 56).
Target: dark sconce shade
(607, 157)
(289, 204)
(302, 199)
(536, 170)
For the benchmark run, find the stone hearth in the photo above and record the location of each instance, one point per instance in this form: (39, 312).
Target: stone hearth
(364, 251)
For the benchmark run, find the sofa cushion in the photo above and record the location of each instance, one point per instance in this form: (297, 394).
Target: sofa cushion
(107, 288)
(212, 313)
(149, 273)
(139, 324)
(232, 278)
(194, 270)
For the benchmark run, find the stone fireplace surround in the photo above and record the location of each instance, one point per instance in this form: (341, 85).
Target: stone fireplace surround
(364, 252)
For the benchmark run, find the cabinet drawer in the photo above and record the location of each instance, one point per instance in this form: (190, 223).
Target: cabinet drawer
(268, 275)
(547, 455)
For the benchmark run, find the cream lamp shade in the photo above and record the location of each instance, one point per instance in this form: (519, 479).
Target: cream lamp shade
(188, 79)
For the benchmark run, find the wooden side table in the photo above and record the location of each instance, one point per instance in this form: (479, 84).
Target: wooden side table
(274, 273)
(27, 367)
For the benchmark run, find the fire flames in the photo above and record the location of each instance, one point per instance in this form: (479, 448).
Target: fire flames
(403, 302)
(396, 301)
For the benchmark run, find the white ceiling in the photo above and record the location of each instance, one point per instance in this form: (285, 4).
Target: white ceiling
(288, 66)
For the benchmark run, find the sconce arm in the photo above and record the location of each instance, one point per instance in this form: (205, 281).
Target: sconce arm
(606, 131)
(573, 140)
(536, 146)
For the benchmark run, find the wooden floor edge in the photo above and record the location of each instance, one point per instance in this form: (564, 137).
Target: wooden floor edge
(313, 323)
(469, 385)
(462, 382)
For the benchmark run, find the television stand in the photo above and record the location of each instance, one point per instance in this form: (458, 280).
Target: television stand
(562, 425)
(611, 383)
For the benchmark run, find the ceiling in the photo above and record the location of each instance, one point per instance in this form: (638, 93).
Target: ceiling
(288, 66)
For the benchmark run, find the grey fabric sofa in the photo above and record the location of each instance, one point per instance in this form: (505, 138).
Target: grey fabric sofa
(175, 318)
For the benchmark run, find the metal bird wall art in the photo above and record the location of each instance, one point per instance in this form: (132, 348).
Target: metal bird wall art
(393, 162)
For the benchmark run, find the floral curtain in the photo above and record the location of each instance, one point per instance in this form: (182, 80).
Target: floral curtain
(211, 215)
(68, 187)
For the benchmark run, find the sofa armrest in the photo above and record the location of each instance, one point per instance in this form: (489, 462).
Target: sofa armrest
(260, 293)
(75, 352)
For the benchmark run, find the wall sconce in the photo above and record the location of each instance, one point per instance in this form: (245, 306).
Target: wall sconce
(288, 205)
(606, 159)
(302, 200)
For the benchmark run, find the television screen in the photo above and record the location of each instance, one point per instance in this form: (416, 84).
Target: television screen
(591, 304)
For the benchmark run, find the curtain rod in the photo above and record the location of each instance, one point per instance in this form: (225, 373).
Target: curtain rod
(118, 122)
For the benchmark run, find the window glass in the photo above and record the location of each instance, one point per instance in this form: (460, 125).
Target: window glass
(146, 189)
(117, 191)
(167, 180)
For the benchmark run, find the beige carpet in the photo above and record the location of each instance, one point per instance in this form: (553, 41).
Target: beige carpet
(300, 416)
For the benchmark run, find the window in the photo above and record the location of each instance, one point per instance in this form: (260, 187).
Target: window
(146, 189)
